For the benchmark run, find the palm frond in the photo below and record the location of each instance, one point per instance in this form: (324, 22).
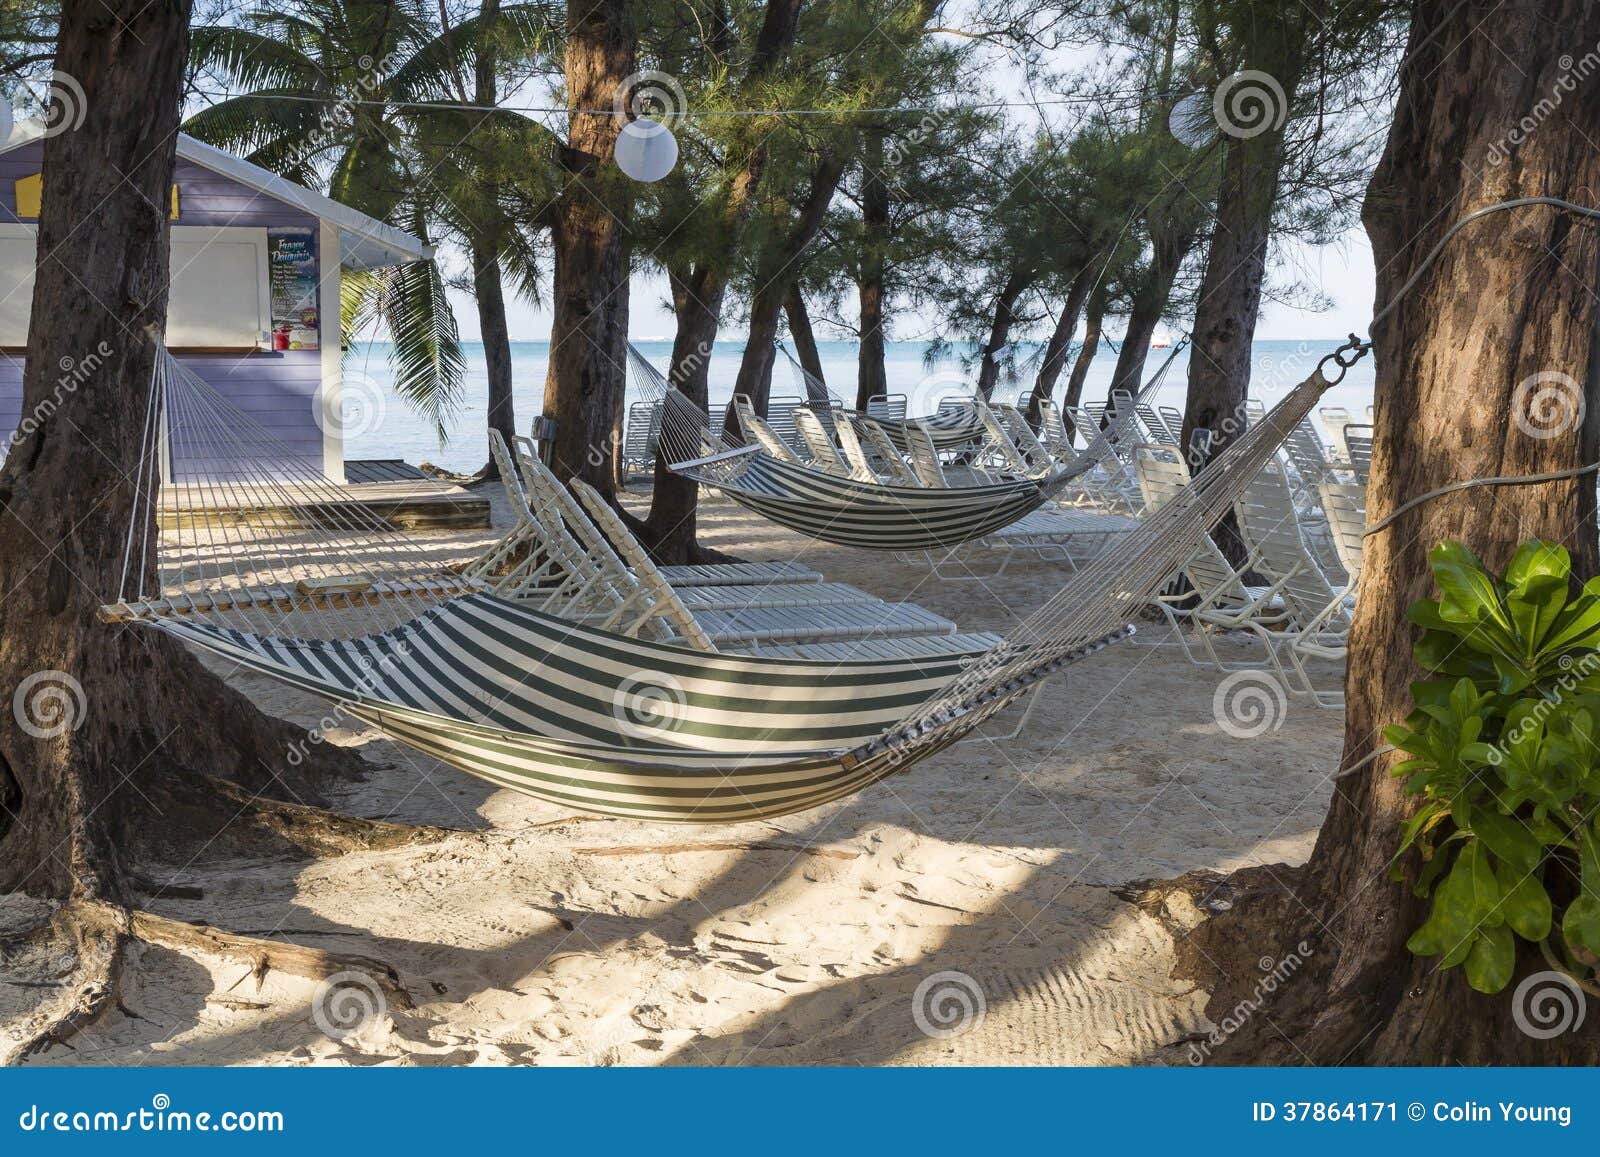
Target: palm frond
(518, 35)
(254, 61)
(429, 367)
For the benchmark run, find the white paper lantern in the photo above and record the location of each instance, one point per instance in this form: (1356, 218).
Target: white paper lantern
(1192, 121)
(646, 150)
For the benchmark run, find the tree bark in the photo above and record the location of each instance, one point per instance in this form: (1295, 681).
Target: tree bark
(1000, 331)
(669, 532)
(1059, 346)
(1094, 327)
(587, 378)
(872, 376)
(805, 341)
(99, 711)
(488, 287)
(1511, 301)
(778, 269)
(495, 333)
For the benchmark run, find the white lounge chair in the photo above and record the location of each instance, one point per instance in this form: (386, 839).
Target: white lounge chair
(1317, 612)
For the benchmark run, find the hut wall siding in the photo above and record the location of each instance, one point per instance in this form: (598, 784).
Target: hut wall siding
(278, 390)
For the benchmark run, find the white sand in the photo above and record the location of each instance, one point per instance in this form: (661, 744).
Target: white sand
(524, 941)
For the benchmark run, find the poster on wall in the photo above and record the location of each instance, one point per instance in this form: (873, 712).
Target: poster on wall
(292, 265)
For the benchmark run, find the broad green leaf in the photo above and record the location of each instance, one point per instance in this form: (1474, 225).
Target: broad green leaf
(1469, 593)
(1527, 907)
(1581, 924)
(1508, 839)
(1492, 960)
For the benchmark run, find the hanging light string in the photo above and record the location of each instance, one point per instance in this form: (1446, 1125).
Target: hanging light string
(895, 110)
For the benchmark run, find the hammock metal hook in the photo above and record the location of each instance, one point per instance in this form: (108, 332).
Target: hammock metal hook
(1344, 357)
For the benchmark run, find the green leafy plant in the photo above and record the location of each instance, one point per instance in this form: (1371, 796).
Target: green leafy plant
(1504, 748)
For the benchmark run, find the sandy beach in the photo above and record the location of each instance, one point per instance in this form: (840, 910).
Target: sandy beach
(972, 910)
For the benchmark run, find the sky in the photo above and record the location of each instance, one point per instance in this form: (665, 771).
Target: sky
(1340, 272)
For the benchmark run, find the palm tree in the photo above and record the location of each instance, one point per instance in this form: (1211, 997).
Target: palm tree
(364, 98)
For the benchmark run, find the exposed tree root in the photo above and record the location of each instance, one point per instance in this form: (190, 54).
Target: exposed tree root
(99, 937)
(264, 956)
(201, 814)
(101, 933)
(737, 846)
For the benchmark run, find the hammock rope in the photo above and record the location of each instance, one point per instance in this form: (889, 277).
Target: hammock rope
(292, 579)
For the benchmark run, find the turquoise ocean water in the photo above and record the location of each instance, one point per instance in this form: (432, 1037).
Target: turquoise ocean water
(380, 424)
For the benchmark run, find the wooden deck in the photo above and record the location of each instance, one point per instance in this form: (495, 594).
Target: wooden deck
(401, 494)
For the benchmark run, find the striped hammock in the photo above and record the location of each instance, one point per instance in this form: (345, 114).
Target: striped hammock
(869, 515)
(577, 715)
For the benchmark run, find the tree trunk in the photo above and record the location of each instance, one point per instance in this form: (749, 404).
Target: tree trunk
(104, 716)
(805, 342)
(589, 334)
(780, 268)
(1000, 331)
(488, 287)
(1094, 326)
(1236, 259)
(1059, 346)
(669, 531)
(1507, 313)
(872, 376)
(496, 335)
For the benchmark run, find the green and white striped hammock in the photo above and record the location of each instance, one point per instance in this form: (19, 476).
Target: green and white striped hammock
(362, 616)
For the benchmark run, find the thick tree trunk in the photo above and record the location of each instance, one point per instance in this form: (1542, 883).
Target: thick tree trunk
(805, 341)
(1171, 241)
(1093, 329)
(780, 268)
(589, 333)
(872, 376)
(104, 716)
(1508, 312)
(495, 333)
(1005, 317)
(1059, 346)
